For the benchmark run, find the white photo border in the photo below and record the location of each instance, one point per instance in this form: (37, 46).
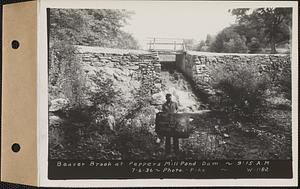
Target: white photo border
(43, 96)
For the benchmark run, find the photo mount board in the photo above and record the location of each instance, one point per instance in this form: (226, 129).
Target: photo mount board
(19, 94)
(20, 106)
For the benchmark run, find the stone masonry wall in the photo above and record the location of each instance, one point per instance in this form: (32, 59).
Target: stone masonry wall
(139, 65)
(128, 69)
(198, 65)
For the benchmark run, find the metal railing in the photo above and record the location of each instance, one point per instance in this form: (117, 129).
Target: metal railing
(166, 44)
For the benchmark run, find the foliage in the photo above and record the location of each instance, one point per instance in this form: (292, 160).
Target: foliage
(94, 146)
(229, 41)
(69, 27)
(285, 84)
(134, 134)
(273, 24)
(209, 39)
(205, 45)
(103, 96)
(82, 122)
(189, 44)
(93, 27)
(127, 41)
(201, 46)
(254, 46)
(136, 138)
(255, 29)
(241, 91)
(65, 74)
(281, 77)
(88, 135)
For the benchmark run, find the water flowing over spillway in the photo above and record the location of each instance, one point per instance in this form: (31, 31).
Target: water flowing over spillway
(175, 83)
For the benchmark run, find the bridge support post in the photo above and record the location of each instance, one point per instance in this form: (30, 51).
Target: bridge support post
(174, 45)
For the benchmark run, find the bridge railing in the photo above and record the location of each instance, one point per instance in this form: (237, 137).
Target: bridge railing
(166, 44)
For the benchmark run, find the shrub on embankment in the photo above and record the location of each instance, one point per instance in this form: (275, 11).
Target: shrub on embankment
(240, 84)
(99, 103)
(240, 92)
(253, 92)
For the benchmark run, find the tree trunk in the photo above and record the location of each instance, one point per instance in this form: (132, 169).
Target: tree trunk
(273, 45)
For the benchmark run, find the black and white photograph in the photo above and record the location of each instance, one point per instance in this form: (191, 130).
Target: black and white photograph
(170, 84)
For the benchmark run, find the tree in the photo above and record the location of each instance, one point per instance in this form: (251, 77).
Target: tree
(254, 45)
(189, 44)
(92, 27)
(229, 41)
(128, 41)
(273, 23)
(201, 45)
(209, 39)
(70, 27)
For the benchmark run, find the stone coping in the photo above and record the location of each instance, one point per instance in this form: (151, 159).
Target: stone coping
(198, 53)
(95, 49)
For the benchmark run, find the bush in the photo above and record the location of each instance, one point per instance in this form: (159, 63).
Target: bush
(136, 142)
(135, 136)
(281, 75)
(102, 96)
(66, 77)
(254, 46)
(229, 41)
(87, 133)
(240, 92)
(285, 84)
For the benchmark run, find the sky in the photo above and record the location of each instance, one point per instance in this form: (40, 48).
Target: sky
(188, 22)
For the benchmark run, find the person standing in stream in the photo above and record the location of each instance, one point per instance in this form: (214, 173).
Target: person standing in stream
(170, 107)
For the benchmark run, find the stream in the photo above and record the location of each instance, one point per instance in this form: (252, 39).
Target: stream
(211, 138)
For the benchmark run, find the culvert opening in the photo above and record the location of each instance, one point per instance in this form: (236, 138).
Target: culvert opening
(168, 66)
(168, 62)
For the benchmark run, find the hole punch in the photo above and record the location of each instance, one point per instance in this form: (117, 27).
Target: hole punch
(15, 147)
(15, 44)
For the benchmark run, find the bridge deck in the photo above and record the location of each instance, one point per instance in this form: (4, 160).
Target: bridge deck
(167, 45)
